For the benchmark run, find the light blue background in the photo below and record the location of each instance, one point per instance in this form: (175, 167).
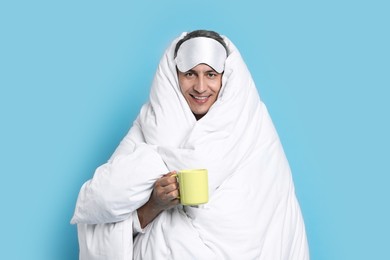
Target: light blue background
(74, 74)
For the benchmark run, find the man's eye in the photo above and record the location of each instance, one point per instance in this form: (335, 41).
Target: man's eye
(189, 74)
(212, 75)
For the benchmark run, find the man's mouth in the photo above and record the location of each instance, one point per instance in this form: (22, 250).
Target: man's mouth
(200, 99)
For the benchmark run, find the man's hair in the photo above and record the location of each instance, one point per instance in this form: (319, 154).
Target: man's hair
(202, 33)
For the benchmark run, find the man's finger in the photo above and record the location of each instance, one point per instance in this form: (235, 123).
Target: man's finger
(165, 181)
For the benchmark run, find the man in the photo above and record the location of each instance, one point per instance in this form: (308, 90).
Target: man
(200, 85)
(204, 112)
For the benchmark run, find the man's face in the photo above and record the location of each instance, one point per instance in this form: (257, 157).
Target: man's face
(200, 87)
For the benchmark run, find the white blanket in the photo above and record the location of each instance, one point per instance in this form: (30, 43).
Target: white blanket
(252, 212)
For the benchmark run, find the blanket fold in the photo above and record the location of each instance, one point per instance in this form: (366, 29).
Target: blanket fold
(108, 197)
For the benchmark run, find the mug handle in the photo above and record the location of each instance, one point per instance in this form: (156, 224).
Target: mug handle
(177, 177)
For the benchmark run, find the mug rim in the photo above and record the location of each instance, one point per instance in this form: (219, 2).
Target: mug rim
(193, 170)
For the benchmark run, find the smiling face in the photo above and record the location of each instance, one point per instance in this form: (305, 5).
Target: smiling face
(200, 87)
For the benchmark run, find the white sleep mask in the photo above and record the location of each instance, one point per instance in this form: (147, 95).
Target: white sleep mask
(201, 50)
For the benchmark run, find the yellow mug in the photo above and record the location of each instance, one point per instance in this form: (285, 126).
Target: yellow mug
(193, 186)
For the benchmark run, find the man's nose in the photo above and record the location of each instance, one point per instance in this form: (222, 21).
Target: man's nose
(200, 85)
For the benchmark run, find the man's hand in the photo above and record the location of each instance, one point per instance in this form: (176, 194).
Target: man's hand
(164, 196)
(165, 192)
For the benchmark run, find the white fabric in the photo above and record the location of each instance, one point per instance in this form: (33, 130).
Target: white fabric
(201, 50)
(252, 213)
